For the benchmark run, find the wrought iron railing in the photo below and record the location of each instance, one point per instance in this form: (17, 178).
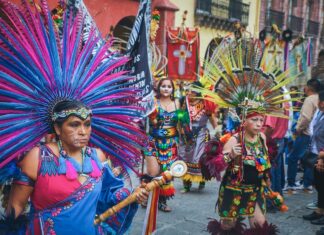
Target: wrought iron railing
(312, 27)
(239, 11)
(296, 23)
(275, 17)
(224, 9)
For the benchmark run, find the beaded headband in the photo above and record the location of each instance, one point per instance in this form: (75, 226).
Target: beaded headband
(83, 113)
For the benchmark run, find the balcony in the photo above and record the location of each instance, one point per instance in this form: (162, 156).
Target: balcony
(275, 17)
(295, 24)
(312, 28)
(216, 13)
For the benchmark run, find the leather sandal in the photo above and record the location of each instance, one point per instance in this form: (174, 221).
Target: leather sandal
(164, 207)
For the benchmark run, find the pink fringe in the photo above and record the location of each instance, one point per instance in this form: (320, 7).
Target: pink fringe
(96, 171)
(71, 173)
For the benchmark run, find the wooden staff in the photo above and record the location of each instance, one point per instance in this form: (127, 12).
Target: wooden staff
(178, 169)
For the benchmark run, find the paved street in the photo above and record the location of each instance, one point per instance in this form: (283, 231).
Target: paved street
(191, 212)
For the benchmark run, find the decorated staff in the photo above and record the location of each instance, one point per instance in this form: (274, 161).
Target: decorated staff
(64, 86)
(178, 169)
(246, 83)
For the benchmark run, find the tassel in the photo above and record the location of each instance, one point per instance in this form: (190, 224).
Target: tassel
(87, 166)
(96, 171)
(62, 165)
(71, 173)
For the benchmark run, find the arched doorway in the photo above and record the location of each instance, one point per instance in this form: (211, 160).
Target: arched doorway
(211, 48)
(123, 29)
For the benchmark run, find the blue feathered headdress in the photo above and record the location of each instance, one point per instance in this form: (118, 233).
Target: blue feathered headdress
(40, 66)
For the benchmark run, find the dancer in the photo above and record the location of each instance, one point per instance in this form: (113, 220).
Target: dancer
(200, 112)
(243, 81)
(164, 137)
(65, 85)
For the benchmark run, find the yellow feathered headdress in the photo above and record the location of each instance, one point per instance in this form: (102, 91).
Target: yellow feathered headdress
(243, 78)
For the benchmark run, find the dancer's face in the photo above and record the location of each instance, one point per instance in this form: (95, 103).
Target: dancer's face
(74, 132)
(253, 125)
(166, 88)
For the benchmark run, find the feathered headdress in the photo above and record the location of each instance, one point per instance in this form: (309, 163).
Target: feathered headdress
(158, 61)
(39, 69)
(244, 79)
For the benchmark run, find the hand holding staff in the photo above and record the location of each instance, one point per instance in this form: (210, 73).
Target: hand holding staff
(178, 169)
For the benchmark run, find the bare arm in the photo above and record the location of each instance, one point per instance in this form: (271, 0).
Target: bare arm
(20, 194)
(229, 145)
(213, 120)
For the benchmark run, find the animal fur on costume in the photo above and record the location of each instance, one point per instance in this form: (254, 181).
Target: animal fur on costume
(212, 162)
(265, 229)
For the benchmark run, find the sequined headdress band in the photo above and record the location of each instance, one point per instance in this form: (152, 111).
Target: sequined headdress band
(83, 113)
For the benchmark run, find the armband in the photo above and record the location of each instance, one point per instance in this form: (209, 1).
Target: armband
(23, 179)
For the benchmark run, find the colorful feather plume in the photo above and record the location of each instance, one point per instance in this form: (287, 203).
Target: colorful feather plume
(215, 228)
(265, 229)
(38, 69)
(239, 73)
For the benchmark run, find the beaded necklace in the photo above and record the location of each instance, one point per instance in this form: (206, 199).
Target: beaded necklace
(260, 157)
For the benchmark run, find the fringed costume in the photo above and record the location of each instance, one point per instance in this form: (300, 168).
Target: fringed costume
(191, 150)
(244, 82)
(41, 66)
(238, 198)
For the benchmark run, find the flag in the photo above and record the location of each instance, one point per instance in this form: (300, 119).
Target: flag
(138, 50)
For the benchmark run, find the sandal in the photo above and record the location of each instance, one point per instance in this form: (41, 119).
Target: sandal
(164, 207)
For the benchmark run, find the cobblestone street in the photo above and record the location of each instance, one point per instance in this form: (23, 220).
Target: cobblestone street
(191, 212)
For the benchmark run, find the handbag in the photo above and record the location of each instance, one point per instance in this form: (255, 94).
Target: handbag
(309, 159)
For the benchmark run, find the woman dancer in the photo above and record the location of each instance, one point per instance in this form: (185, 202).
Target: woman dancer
(163, 137)
(200, 112)
(69, 178)
(58, 81)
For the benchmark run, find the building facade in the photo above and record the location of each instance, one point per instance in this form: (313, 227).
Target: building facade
(214, 18)
(303, 17)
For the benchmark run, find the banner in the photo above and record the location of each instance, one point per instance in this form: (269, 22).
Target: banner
(183, 53)
(138, 50)
(300, 56)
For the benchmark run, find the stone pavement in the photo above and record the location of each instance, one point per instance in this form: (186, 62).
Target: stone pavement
(191, 212)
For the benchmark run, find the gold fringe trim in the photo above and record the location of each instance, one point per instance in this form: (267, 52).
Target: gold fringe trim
(193, 178)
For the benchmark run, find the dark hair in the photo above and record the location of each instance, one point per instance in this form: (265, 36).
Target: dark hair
(67, 105)
(294, 87)
(321, 95)
(158, 94)
(197, 84)
(314, 84)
